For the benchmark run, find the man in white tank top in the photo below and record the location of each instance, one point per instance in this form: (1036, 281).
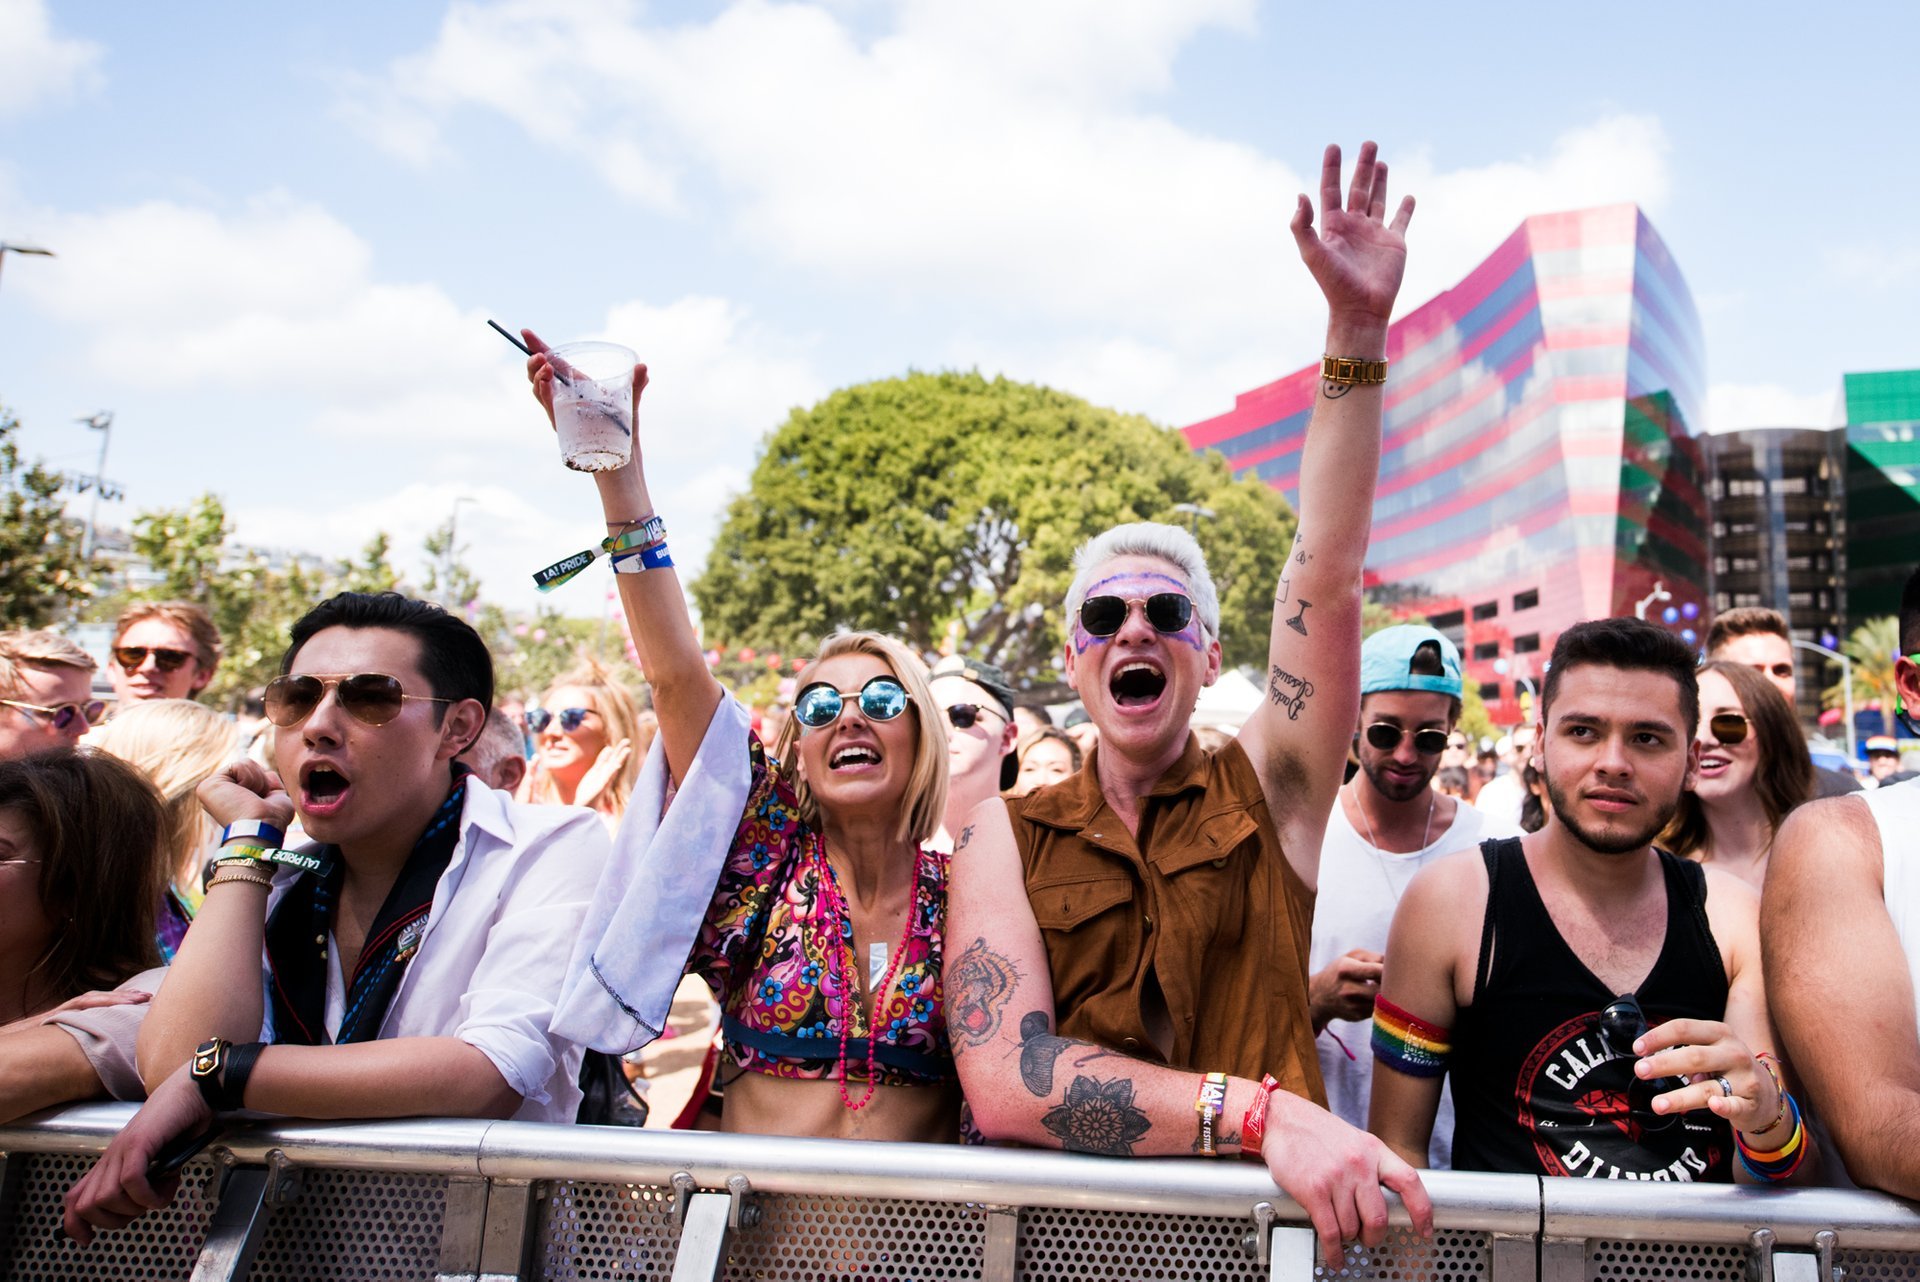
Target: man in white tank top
(1840, 930)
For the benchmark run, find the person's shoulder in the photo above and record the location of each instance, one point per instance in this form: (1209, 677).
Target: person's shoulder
(1472, 825)
(545, 832)
(1453, 882)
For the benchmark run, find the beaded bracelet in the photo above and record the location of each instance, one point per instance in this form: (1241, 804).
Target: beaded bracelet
(1779, 1165)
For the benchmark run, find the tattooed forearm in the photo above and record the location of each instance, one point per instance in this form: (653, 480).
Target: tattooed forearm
(1288, 691)
(1299, 621)
(1098, 1117)
(977, 985)
(1040, 1049)
(1334, 391)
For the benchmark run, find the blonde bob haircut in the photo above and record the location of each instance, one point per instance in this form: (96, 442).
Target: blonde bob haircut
(925, 805)
(176, 744)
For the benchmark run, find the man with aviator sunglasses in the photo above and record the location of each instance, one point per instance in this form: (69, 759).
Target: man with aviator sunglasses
(1596, 1003)
(1138, 932)
(1388, 823)
(46, 693)
(411, 959)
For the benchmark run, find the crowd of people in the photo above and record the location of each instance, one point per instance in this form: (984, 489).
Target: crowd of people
(1328, 943)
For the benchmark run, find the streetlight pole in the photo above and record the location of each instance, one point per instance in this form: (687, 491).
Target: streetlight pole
(35, 250)
(103, 424)
(1846, 685)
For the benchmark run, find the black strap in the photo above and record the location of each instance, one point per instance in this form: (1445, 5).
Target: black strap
(1489, 853)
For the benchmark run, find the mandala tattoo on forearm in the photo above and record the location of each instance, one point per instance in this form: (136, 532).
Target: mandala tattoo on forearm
(978, 983)
(1098, 1117)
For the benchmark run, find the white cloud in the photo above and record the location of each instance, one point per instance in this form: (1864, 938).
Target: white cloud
(38, 65)
(1733, 406)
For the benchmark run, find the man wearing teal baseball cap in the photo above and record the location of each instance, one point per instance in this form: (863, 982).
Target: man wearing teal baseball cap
(1387, 823)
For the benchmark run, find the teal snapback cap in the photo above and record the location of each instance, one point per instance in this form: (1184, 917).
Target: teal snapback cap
(1386, 660)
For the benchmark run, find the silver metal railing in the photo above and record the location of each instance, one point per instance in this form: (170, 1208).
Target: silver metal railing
(451, 1199)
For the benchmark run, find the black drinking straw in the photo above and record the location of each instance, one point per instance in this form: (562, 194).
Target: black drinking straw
(510, 336)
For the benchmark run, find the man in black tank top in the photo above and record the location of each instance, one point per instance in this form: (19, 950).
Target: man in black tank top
(1597, 1002)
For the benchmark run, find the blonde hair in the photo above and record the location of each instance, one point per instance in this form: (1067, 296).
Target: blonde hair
(177, 744)
(925, 805)
(38, 649)
(622, 718)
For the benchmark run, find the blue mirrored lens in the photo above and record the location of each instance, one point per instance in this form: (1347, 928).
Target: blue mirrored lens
(883, 699)
(817, 705)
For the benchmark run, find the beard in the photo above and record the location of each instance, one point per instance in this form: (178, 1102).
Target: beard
(1390, 788)
(1608, 843)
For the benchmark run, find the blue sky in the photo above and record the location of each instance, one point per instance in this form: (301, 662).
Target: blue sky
(282, 228)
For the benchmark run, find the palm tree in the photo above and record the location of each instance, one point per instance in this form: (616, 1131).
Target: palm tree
(1873, 647)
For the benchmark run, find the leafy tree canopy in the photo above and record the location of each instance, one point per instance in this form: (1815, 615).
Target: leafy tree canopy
(948, 506)
(42, 574)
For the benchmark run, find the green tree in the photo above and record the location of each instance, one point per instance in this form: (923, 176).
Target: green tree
(940, 505)
(42, 574)
(449, 580)
(373, 572)
(1873, 647)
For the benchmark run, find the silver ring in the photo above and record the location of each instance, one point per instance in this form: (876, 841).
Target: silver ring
(1726, 1087)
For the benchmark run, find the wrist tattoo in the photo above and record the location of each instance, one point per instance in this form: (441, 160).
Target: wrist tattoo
(1288, 691)
(1334, 391)
(978, 983)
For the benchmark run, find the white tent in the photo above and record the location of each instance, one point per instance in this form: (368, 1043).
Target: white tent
(1227, 703)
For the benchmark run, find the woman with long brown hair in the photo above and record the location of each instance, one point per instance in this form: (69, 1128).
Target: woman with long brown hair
(1753, 770)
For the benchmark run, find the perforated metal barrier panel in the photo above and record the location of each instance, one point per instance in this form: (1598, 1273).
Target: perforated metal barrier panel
(159, 1246)
(586, 1232)
(1646, 1261)
(354, 1224)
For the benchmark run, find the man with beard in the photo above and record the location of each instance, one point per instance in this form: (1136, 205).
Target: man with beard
(1127, 965)
(1388, 823)
(1596, 1003)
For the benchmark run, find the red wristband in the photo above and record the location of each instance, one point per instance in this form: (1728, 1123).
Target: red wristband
(1253, 1128)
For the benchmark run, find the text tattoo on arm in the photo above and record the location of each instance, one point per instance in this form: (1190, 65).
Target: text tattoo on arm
(1288, 691)
(978, 983)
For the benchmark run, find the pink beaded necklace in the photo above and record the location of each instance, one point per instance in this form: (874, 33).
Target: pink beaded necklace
(834, 902)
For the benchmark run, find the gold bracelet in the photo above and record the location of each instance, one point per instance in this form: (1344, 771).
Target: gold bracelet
(235, 873)
(1353, 369)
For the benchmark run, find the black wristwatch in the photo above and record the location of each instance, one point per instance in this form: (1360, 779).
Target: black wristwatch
(220, 1069)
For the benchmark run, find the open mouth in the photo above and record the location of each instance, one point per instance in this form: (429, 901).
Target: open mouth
(323, 789)
(857, 757)
(1137, 684)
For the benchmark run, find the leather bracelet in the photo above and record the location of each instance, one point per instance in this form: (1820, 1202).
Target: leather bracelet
(1253, 1128)
(233, 1079)
(1353, 369)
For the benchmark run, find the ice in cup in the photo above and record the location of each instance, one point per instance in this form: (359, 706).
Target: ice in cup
(593, 404)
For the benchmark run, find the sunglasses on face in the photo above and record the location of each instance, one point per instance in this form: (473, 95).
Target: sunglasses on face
(1102, 616)
(965, 716)
(371, 698)
(1385, 736)
(1728, 727)
(1622, 1023)
(538, 719)
(131, 657)
(62, 716)
(881, 699)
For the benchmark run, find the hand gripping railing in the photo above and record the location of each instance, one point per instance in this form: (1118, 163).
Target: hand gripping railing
(448, 1199)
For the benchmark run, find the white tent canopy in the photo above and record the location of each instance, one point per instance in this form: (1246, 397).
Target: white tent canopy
(1227, 703)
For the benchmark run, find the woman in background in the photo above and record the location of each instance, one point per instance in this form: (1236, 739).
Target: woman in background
(584, 733)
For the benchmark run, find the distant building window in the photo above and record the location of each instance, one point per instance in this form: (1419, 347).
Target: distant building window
(1487, 650)
(1490, 692)
(1450, 619)
(1526, 644)
(1526, 600)
(1791, 485)
(1485, 610)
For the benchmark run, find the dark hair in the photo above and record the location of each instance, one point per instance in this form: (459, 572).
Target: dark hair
(1426, 662)
(1454, 777)
(1910, 615)
(1633, 644)
(1533, 811)
(1782, 780)
(1746, 621)
(453, 658)
(101, 830)
(1043, 734)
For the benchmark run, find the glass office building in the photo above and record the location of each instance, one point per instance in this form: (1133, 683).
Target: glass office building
(1541, 461)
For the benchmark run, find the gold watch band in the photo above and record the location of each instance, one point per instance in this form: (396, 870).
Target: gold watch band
(1351, 369)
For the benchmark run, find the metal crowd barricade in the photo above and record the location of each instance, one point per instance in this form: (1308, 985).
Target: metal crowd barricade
(471, 1200)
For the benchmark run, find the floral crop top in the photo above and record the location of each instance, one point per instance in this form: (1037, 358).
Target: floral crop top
(774, 951)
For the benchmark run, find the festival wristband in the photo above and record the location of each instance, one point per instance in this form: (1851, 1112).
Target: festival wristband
(259, 829)
(299, 860)
(1209, 1103)
(565, 570)
(1408, 1044)
(1780, 1164)
(1253, 1127)
(652, 557)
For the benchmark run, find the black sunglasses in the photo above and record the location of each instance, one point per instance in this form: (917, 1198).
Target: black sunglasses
(371, 698)
(539, 719)
(1622, 1023)
(1728, 727)
(1385, 736)
(1102, 616)
(967, 715)
(881, 699)
(131, 657)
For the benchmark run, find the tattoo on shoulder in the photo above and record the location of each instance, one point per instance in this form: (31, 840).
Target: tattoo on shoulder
(977, 984)
(1334, 391)
(1288, 691)
(966, 835)
(1098, 1117)
(1041, 1049)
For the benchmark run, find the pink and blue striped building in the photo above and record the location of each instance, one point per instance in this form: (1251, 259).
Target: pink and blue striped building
(1541, 461)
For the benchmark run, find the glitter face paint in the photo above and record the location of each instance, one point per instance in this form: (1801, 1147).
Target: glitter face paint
(1138, 586)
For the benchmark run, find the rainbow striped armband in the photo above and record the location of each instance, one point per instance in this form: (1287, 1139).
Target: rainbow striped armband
(1408, 1044)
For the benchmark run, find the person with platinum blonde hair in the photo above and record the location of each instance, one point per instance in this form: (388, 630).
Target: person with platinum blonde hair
(798, 882)
(178, 744)
(1134, 978)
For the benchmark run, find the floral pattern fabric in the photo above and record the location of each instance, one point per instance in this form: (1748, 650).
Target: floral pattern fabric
(775, 956)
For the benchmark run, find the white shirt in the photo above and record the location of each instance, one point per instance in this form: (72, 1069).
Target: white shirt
(1896, 810)
(1500, 800)
(1360, 886)
(505, 917)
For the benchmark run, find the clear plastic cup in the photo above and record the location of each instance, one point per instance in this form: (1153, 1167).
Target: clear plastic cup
(593, 404)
